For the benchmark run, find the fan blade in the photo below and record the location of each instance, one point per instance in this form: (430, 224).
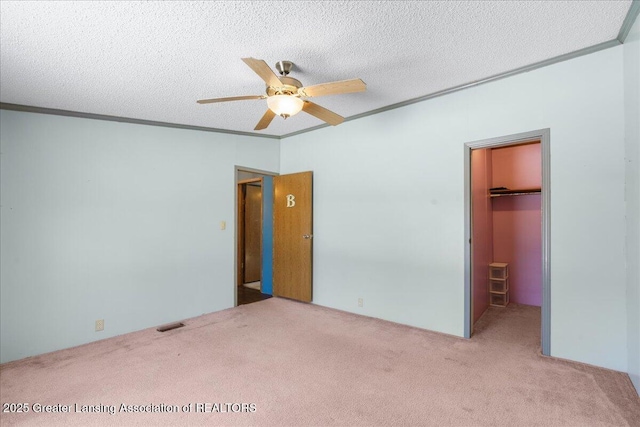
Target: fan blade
(322, 113)
(333, 88)
(231, 98)
(265, 120)
(262, 69)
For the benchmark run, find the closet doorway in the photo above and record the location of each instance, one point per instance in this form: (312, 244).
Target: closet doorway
(507, 222)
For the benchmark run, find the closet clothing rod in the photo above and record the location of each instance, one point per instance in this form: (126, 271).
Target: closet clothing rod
(516, 194)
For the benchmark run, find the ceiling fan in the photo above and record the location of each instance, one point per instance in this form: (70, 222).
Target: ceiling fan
(285, 95)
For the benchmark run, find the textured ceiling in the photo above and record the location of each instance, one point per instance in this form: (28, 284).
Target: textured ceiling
(153, 60)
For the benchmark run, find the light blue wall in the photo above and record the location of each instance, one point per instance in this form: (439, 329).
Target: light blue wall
(113, 221)
(267, 235)
(389, 203)
(632, 194)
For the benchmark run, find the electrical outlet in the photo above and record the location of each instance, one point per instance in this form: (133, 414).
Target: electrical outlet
(360, 302)
(99, 325)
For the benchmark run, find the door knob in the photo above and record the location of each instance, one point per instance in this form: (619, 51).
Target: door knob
(307, 236)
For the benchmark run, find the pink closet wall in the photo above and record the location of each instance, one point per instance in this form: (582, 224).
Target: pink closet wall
(517, 221)
(482, 229)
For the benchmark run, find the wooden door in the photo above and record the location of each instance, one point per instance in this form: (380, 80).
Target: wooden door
(253, 233)
(293, 236)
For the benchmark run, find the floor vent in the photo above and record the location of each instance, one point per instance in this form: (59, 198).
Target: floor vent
(170, 326)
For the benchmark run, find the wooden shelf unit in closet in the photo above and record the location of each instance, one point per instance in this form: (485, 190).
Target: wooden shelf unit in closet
(498, 284)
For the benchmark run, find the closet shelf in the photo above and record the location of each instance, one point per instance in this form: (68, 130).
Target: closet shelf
(514, 192)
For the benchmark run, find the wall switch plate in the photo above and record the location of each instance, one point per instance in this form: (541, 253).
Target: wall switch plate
(223, 225)
(99, 325)
(360, 302)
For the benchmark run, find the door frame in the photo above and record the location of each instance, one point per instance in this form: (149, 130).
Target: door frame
(236, 181)
(542, 135)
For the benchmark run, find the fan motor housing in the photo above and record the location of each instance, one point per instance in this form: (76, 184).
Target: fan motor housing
(289, 86)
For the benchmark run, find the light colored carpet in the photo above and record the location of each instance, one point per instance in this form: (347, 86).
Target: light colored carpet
(307, 365)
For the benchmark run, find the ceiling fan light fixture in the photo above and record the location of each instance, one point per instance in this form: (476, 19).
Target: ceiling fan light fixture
(285, 105)
(283, 94)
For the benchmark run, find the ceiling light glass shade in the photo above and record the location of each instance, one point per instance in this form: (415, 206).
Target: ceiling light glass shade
(285, 105)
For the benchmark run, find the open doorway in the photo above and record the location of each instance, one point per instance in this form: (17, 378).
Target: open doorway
(249, 240)
(507, 230)
(286, 203)
(254, 235)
